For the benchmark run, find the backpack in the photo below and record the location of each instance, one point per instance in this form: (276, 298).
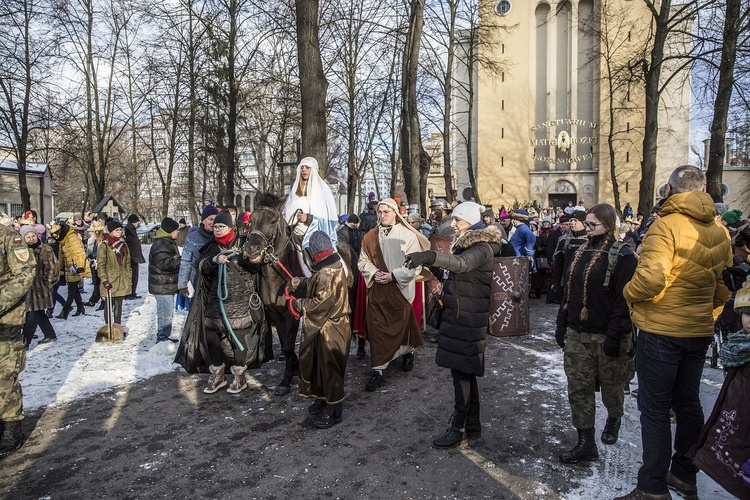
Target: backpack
(612, 254)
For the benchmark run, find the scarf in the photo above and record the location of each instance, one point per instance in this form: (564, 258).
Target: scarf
(226, 239)
(118, 246)
(736, 350)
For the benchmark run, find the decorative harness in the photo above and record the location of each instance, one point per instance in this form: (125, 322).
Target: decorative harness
(269, 256)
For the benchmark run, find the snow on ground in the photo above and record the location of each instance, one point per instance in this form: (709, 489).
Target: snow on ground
(76, 366)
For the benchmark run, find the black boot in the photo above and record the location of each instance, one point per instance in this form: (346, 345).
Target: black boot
(331, 416)
(611, 430)
(361, 348)
(64, 313)
(101, 306)
(79, 312)
(473, 424)
(12, 437)
(584, 451)
(453, 434)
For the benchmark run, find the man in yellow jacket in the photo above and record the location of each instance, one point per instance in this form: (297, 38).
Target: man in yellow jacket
(675, 297)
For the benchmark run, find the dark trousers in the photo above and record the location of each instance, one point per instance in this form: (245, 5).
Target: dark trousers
(134, 282)
(56, 297)
(669, 374)
(466, 396)
(96, 295)
(116, 310)
(74, 293)
(34, 319)
(221, 353)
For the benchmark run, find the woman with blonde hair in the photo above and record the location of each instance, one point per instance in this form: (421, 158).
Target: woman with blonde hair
(594, 329)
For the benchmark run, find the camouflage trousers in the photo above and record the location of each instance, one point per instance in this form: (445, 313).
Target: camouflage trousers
(587, 367)
(12, 363)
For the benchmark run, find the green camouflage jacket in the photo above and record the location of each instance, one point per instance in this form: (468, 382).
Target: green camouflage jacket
(17, 269)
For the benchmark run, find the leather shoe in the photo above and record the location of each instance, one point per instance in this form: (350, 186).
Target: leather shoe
(64, 313)
(47, 340)
(330, 417)
(407, 362)
(376, 380)
(79, 312)
(317, 407)
(685, 489)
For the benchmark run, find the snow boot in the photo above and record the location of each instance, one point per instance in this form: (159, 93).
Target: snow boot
(454, 434)
(240, 382)
(473, 425)
(611, 430)
(12, 437)
(584, 451)
(217, 380)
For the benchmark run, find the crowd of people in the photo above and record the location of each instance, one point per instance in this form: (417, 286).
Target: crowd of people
(635, 294)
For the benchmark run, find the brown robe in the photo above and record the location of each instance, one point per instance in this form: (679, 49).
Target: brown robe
(326, 333)
(390, 318)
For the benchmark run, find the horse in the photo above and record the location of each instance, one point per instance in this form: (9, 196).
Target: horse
(269, 246)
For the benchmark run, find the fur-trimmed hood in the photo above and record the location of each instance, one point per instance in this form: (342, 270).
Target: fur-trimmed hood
(489, 234)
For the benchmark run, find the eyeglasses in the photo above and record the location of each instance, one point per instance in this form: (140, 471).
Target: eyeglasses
(220, 227)
(592, 225)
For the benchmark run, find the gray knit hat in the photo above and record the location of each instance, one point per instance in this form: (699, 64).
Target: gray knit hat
(320, 246)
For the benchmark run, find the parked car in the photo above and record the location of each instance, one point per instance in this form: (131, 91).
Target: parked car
(146, 232)
(65, 216)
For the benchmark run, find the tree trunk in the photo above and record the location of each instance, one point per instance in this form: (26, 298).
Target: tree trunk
(447, 102)
(411, 140)
(232, 104)
(651, 134)
(313, 83)
(192, 112)
(717, 151)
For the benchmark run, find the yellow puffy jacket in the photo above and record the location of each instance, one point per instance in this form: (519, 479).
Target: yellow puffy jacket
(677, 290)
(72, 252)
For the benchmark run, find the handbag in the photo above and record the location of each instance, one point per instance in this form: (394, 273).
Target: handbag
(542, 264)
(436, 314)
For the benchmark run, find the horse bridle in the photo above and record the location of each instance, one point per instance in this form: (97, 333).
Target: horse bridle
(269, 255)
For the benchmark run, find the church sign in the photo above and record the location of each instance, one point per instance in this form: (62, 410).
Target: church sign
(564, 140)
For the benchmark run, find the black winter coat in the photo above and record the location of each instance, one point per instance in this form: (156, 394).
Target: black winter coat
(607, 309)
(467, 291)
(134, 244)
(163, 265)
(240, 283)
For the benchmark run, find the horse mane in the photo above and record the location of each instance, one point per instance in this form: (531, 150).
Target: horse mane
(269, 200)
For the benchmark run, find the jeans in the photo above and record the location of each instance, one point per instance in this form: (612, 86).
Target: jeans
(74, 293)
(164, 313)
(669, 374)
(34, 319)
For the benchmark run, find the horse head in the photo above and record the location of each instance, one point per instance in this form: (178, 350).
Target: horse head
(269, 231)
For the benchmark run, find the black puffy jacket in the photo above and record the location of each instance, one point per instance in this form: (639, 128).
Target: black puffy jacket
(240, 283)
(163, 265)
(465, 319)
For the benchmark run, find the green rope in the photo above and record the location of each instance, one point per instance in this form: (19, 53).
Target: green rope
(222, 291)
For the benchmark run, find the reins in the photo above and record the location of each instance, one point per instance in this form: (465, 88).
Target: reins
(269, 255)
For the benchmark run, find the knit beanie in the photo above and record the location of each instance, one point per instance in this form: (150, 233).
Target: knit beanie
(182, 220)
(168, 224)
(353, 219)
(320, 246)
(27, 229)
(504, 215)
(208, 211)
(132, 219)
(732, 216)
(468, 211)
(413, 217)
(580, 215)
(112, 225)
(224, 218)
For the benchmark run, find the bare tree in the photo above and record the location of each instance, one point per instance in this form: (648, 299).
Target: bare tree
(25, 50)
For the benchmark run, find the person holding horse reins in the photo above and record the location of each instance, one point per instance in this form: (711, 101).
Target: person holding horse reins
(310, 207)
(230, 313)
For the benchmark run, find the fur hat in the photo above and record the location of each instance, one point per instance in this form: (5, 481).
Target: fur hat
(133, 218)
(113, 224)
(27, 229)
(320, 246)
(732, 216)
(520, 214)
(208, 211)
(224, 218)
(469, 211)
(580, 215)
(168, 224)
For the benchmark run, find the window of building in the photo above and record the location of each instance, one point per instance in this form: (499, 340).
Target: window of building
(502, 8)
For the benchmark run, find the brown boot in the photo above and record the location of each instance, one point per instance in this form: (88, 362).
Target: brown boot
(217, 380)
(240, 381)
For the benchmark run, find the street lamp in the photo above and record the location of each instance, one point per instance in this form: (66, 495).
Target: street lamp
(83, 201)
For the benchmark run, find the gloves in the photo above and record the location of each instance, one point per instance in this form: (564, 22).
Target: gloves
(295, 283)
(417, 259)
(611, 347)
(184, 292)
(73, 269)
(107, 285)
(290, 304)
(560, 337)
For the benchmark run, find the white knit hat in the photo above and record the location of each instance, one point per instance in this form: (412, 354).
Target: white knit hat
(469, 211)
